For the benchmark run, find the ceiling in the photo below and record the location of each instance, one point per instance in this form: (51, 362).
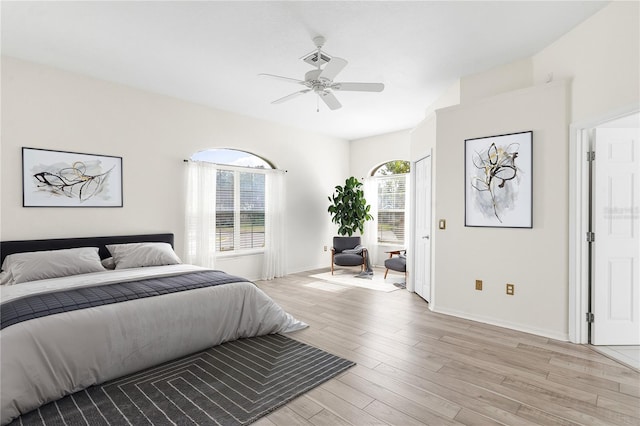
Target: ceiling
(211, 52)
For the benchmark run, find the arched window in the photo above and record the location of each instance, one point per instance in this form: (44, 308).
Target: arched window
(392, 181)
(232, 157)
(240, 199)
(395, 167)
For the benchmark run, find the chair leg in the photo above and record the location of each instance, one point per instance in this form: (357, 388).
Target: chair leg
(332, 252)
(385, 273)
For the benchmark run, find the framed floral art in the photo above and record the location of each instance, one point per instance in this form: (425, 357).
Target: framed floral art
(499, 181)
(70, 179)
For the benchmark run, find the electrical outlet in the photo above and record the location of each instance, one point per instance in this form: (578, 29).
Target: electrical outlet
(325, 248)
(478, 284)
(511, 289)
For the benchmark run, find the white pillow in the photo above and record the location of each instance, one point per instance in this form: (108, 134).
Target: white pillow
(5, 278)
(39, 265)
(135, 255)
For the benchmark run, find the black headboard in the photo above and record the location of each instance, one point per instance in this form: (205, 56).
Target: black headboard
(10, 247)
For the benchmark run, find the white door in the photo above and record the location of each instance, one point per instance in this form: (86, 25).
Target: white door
(615, 219)
(422, 255)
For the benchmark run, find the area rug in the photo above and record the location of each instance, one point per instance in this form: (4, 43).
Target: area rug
(235, 383)
(347, 278)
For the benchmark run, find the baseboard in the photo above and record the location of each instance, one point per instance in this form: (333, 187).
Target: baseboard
(501, 323)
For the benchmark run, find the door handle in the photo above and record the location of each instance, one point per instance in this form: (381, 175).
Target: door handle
(425, 237)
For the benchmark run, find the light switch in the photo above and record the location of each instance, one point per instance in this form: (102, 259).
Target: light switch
(442, 224)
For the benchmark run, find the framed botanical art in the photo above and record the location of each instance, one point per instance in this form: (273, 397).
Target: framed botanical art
(70, 179)
(499, 181)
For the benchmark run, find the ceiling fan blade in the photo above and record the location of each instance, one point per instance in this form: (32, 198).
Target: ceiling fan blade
(291, 96)
(358, 87)
(279, 77)
(332, 69)
(329, 99)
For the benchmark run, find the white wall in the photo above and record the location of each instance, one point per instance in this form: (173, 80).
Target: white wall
(423, 144)
(535, 260)
(598, 62)
(602, 57)
(451, 96)
(48, 108)
(502, 79)
(368, 153)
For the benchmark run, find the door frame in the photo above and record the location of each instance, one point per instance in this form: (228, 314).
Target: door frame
(579, 193)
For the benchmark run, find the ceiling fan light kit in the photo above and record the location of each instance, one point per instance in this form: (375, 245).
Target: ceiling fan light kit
(320, 80)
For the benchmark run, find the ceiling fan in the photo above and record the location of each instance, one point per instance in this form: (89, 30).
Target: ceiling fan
(320, 80)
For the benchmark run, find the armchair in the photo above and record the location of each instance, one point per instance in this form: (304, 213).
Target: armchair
(398, 264)
(346, 259)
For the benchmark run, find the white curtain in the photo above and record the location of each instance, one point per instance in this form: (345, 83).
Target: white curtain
(274, 248)
(407, 211)
(200, 226)
(370, 237)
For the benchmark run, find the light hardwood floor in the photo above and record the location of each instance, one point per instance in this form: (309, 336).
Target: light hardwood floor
(416, 367)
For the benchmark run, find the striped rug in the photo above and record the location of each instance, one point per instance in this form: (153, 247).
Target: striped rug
(235, 383)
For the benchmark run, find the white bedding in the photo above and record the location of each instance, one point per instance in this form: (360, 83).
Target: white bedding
(46, 358)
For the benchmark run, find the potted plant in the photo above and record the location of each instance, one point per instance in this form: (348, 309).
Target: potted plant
(349, 209)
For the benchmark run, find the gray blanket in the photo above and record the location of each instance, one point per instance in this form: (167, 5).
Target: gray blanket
(368, 272)
(43, 304)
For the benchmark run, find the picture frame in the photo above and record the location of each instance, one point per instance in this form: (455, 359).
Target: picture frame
(499, 181)
(70, 179)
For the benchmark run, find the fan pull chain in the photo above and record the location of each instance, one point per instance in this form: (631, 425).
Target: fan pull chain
(318, 103)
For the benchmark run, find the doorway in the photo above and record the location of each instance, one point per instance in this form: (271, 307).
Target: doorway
(422, 239)
(603, 262)
(615, 244)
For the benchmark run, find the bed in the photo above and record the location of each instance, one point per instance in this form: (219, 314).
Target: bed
(61, 334)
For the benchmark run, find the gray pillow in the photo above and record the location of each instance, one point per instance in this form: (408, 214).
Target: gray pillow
(39, 265)
(109, 263)
(136, 255)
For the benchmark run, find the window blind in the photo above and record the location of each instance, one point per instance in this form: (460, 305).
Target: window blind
(239, 210)
(225, 210)
(251, 210)
(391, 208)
